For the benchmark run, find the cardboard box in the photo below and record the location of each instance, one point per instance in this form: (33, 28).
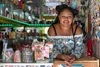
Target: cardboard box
(85, 61)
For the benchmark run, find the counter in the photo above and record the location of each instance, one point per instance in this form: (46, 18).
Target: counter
(85, 61)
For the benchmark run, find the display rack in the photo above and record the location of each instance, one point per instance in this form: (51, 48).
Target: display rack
(95, 26)
(20, 23)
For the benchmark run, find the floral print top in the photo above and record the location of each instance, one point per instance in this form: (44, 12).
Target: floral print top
(65, 45)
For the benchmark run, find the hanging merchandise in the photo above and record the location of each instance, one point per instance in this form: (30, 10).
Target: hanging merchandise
(82, 2)
(15, 15)
(12, 35)
(21, 16)
(6, 11)
(14, 1)
(78, 2)
(89, 47)
(74, 4)
(98, 34)
(20, 4)
(82, 12)
(24, 6)
(95, 22)
(86, 25)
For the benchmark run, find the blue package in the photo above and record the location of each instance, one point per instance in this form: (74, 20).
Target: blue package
(73, 65)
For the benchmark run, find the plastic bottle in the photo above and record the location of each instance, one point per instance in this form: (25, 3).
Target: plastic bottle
(17, 56)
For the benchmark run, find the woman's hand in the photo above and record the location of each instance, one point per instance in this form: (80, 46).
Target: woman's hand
(73, 58)
(68, 58)
(67, 64)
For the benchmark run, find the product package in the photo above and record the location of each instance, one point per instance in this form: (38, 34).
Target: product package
(48, 49)
(7, 55)
(17, 56)
(27, 54)
(38, 53)
(73, 65)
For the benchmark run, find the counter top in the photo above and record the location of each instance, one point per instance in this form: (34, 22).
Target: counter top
(85, 61)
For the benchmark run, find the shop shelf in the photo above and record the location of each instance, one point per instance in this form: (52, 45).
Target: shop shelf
(6, 25)
(18, 23)
(38, 25)
(12, 21)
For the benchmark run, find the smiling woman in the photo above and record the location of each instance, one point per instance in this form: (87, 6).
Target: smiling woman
(65, 22)
(66, 36)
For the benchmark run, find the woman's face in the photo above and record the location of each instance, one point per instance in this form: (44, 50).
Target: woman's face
(66, 18)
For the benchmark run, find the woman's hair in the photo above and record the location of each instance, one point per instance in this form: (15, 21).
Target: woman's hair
(57, 7)
(61, 8)
(73, 11)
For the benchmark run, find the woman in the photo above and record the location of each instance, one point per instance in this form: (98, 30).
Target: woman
(66, 36)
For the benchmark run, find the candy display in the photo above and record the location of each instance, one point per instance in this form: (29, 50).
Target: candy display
(30, 52)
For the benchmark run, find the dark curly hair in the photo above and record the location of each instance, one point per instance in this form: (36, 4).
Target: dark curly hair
(61, 8)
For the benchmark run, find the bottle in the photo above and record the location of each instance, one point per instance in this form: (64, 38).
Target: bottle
(17, 56)
(27, 55)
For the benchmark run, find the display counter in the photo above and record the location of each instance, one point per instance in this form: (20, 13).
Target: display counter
(85, 61)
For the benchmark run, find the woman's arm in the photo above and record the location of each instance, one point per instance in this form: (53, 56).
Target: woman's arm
(78, 43)
(51, 31)
(78, 47)
(79, 31)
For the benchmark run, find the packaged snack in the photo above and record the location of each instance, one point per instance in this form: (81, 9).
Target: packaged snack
(38, 53)
(48, 49)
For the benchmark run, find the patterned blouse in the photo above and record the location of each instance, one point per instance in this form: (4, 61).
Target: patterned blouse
(65, 45)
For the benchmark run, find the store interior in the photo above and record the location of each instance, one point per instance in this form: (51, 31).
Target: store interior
(22, 21)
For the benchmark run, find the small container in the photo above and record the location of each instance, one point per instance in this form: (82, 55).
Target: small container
(27, 55)
(7, 55)
(17, 56)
